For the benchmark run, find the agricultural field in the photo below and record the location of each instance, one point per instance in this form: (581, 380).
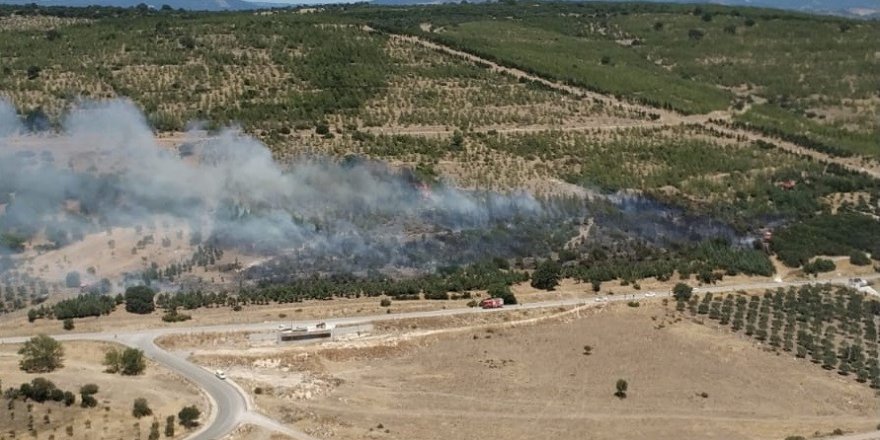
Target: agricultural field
(637, 118)
(629, 179)
(763, 66)
(549, 374)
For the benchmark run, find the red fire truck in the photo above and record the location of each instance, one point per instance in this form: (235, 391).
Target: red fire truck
(492, 303)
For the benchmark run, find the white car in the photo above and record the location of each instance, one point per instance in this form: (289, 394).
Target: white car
(650, 295)
(220, 374)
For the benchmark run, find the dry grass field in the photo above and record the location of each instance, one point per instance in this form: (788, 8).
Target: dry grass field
(488, 380)
(166, 394)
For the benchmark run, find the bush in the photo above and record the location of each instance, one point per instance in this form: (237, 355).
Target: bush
(87, 401)
(90, 304)
(682, 292)
(68, 324)
(621, 387)
(174, 316)
(189, 416)
(141, 408)
(154, 431)
(33, 72)
(385, 302)
(88, 389)
(87, 395)
(819, 265)
(858, 258)
(41, 354)
(128, 362)
(41, 390)
(169, 426)
(546, 276)
(502, 291)
(139, 299)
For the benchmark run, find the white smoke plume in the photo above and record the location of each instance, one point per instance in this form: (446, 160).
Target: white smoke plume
(107, 160)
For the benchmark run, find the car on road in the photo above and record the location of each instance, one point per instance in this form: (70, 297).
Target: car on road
(220, 374)
(650, 295)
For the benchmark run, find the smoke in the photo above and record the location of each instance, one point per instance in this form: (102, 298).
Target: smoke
(317, 215)
(9, 123)
(107, 162)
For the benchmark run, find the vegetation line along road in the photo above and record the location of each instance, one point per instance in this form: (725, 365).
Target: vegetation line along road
(231, 404)
(665, 117)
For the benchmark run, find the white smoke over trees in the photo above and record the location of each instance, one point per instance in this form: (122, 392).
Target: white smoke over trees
(318, 215)
(107, 160)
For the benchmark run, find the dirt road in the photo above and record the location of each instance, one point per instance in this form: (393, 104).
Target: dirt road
(665, 117)
(231, 405)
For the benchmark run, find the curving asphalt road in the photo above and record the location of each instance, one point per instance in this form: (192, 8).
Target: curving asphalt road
(231, 406)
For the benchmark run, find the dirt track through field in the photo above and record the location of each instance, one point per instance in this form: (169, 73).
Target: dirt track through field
(666, 117)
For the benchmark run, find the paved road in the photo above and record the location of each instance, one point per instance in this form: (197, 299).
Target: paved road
(230, 404)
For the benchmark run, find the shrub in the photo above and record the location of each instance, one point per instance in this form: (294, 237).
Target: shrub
(621, 386)
(169, 426)
(174, 316)
(88, 389)
(141, 408)
(41, 390)
(682, 292)
(41, 354)
(546, 276)
(189, 416)
(322, 128)
(858, 258)
(128, 362)
(819, 265)
(68, 324)
(385, 302)
(139, 299)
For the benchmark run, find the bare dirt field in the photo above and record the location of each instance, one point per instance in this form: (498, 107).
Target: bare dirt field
(534, 381)
(166, 394)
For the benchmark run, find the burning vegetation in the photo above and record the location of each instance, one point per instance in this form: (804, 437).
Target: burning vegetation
(326, 227)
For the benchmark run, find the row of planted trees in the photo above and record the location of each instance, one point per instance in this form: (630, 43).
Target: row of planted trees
(833, 327)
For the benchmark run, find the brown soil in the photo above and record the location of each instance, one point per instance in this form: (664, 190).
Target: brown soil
(535, 382)
(166, 394)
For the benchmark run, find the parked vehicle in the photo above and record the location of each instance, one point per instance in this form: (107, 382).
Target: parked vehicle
(492, 303)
